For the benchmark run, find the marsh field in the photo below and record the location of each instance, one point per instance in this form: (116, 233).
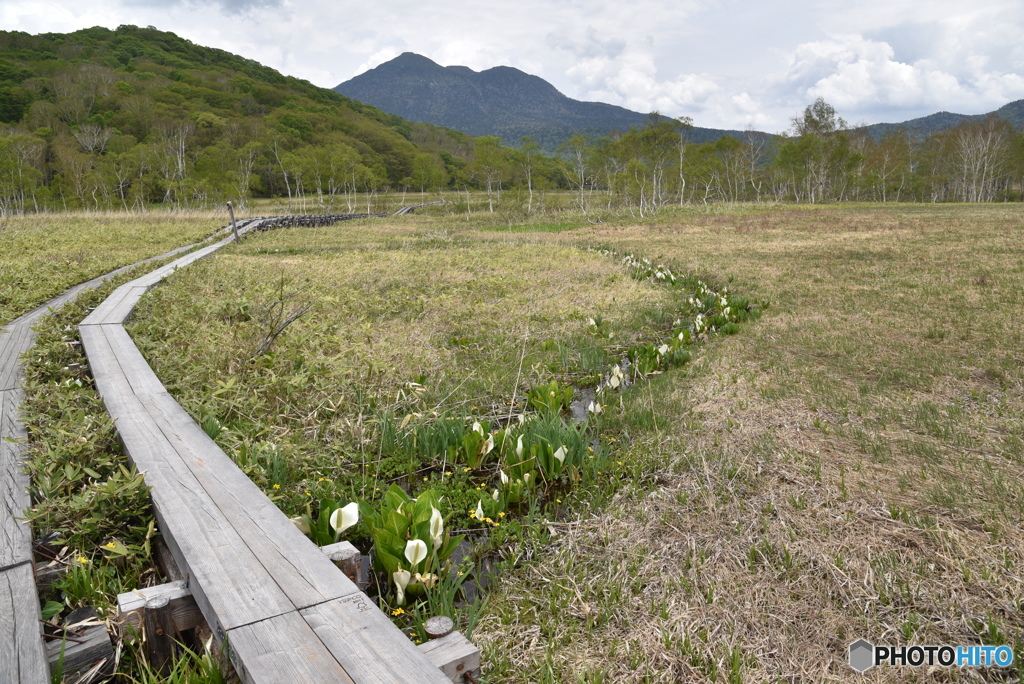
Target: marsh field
(845, 464)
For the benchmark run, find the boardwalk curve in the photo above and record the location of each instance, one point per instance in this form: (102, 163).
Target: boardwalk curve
(22, 654)
(285, 611)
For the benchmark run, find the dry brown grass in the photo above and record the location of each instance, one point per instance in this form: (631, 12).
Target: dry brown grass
(849, 466)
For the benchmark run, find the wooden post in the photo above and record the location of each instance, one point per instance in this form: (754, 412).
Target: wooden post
(160, 634)
(438, 626)
(234, 227)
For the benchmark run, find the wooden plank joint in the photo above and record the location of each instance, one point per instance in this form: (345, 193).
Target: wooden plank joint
(456, 657)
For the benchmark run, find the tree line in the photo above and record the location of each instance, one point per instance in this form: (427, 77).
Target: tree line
(135, 118)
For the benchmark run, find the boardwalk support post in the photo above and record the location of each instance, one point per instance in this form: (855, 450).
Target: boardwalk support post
(160, 633)
(234, 227)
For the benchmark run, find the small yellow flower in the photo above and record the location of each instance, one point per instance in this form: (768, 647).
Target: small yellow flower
(82, 559)
(425, 479)
(277, 486)
(307, 493)
(558, 500)
(397, 611)
(111, 545)
(501, 514)
(466, 470)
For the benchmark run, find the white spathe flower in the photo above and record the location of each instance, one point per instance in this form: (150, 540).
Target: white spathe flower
(487, 446)
(415, 551)
(495, 495)
(526, 478)
(436, 526)
(401, 578)
(519, 447)
(478, 428)
(591, 322)
(663, 349)
(522, 418)
(594, 407)
(480, 509)
(345, 517)
(560, 454)
(302, 523)
(503, 477)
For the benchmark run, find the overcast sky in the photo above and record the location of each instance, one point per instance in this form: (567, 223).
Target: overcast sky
(724, 63)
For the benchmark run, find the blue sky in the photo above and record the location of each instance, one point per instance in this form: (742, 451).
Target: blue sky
(725, 64)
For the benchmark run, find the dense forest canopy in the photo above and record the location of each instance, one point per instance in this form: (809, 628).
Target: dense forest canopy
(136, 117)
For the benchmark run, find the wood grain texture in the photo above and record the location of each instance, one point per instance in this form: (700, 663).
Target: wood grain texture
(15, 534)
(304, 574)
(131, 606)
(22, 656)
(367, 644)
(284, 649)
(454, 655)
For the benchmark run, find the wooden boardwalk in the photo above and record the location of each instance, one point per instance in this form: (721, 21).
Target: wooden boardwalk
(285, 611)
(22, 654)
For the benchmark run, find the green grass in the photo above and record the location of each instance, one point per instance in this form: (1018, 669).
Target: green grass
(846, 467)
(45, 254)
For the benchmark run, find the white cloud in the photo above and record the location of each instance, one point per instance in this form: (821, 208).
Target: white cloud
(860, 75)
(726, 64)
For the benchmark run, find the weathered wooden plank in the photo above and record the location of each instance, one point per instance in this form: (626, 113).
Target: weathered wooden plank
(454, 655)
(92, 648)
(140, 376)
(14, 340)
(22, 657)
(367, 644)
(202, 541)
(117, 307)
(229, 582)
(15, 535)
(284, 649)
(302, 571)
(185, 612)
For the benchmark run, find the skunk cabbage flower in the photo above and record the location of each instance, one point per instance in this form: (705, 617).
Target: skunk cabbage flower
(488, 445)
(519, 447)
(345, 517)
(415, 551)
(495, 495)
(594, 407)
(503, 476)
(480, 509)
(436, 527)
(401, 578)
(663, 349)
(302, 523)
(560, 454)
(477, 428)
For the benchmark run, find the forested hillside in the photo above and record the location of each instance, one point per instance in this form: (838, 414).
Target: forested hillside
(136, 116)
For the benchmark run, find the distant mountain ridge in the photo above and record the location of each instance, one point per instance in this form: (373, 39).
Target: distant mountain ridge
(510, 103)
(924, 126)
(501, 101)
